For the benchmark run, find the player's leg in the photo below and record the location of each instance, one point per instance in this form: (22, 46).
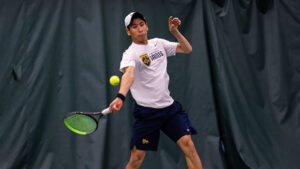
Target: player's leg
(139, 146)
(145, 135)
(136, 158)
(179, 129)
(191, 156)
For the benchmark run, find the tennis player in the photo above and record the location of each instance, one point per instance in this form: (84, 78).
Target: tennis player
(144, 65)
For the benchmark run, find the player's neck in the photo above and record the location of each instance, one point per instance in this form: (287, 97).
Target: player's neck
(145, 42)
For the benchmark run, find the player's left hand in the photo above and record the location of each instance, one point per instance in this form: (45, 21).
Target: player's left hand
(174, 23)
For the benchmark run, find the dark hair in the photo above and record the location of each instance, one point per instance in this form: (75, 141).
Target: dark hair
(136, 15)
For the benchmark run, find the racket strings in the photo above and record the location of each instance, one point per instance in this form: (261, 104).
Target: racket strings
(81, 123)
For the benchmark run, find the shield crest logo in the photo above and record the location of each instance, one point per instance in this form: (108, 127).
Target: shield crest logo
(146, 60)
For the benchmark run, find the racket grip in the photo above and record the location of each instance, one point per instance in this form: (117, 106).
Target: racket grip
(106, 111)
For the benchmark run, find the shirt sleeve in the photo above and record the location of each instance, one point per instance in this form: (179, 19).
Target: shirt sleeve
(170, 47)
(127, 60)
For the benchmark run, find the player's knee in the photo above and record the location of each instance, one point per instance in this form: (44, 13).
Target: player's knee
(136, 159)
(186, 142)
(135, 162)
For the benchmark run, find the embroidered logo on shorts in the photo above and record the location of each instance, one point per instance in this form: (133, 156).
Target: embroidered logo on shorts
(145, 141)
(146, 60)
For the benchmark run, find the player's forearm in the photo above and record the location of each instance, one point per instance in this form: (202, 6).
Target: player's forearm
(126, 82)
(184, 43)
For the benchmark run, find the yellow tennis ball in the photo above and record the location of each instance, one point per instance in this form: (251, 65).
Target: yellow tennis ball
(114, 80)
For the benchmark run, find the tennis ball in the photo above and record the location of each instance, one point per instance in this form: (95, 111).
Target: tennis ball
(114, 80)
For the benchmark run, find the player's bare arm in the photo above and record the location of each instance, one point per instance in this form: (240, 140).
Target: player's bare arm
(126, 82)
(183, 44)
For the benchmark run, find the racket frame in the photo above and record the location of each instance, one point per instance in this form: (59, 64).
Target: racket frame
(90, 115)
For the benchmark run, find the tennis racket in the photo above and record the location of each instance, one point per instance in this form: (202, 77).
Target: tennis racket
(84, 123)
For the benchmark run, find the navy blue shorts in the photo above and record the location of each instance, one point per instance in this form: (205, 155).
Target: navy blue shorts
(172, 120)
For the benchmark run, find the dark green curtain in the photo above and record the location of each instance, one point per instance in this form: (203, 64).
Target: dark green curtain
(254, 50)
(240, 85)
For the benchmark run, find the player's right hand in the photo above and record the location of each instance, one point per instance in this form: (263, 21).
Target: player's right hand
(115, 105)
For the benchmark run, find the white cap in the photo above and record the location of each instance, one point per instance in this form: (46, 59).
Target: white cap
(128, 18)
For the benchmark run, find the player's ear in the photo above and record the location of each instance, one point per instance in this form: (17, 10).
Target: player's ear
(128, 32)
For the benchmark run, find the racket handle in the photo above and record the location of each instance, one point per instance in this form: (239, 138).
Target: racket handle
(106, 111)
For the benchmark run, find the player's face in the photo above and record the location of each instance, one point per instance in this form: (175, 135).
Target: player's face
(138, 31)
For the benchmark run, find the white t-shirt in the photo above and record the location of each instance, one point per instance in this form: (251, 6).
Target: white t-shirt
(151, 80)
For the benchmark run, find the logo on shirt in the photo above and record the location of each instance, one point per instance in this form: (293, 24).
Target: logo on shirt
(146, 60)
(156, 55)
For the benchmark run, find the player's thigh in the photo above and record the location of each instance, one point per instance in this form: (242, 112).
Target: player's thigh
(176, 127)
(146, 142)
